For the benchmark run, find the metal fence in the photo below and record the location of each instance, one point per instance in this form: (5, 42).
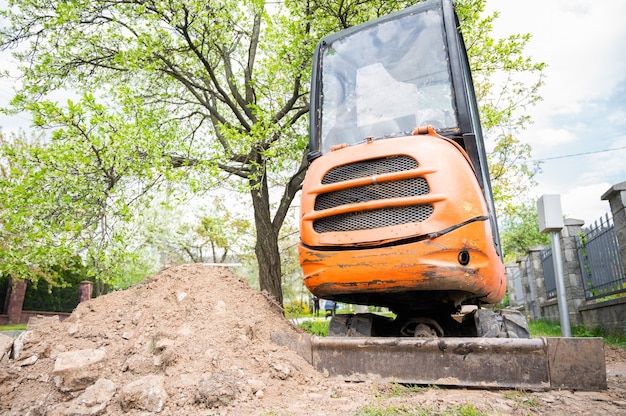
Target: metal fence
(547, 261)
(601, 265)
(518, 288)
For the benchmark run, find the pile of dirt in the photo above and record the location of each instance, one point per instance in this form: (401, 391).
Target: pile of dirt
(196, 340)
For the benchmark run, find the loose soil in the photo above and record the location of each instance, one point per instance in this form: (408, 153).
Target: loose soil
(204, 328)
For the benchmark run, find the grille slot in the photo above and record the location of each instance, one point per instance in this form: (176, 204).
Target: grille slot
(373, 192)
(377, 218)
(367, 220)
(369, 168)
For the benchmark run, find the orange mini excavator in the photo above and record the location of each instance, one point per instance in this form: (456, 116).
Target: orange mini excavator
(397, 209)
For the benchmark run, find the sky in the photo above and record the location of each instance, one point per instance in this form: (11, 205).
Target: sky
(579, 129)
(583, 111)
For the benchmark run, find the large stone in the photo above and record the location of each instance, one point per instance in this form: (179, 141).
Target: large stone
(18, 344)
(75, 370)
(94, 400)
(6, 343)
(147, 393)
(220, 390)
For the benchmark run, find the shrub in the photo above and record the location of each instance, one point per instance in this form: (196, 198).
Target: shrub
(296, 307)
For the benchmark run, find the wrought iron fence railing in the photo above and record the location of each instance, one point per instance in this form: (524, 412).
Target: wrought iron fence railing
(547, 261)
(601, 265)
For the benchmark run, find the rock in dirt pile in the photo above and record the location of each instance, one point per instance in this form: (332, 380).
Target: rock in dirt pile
(196, 340)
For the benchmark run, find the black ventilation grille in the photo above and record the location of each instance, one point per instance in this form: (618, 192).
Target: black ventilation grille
(368, 168)
(367, 220)
(373, 192)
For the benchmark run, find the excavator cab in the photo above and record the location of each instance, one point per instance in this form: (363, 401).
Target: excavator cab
(397, 209)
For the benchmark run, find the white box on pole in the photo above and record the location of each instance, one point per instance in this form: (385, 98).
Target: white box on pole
(549, 213)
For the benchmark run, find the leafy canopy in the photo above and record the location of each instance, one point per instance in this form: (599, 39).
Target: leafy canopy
(177, 97)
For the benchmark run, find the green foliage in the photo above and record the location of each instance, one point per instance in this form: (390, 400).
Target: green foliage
(75, 194)
(315, 327)
(296, 308)
(177, 97)
(519, 231)
(42, 296)
(47, 297)
(4, 285)
(506, 83)
(219, 235)
(544, 328)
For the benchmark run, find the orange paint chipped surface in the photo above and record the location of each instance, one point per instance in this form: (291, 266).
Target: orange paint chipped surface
(358, 234)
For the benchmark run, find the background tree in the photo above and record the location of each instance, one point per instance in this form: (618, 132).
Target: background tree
(80, 192)
(218, 89)
(220, 236)
(520, 231)
(506, 83)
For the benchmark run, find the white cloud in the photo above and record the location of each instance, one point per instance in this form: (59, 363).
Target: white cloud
(581, 42)
(584, 203)
(547, 140)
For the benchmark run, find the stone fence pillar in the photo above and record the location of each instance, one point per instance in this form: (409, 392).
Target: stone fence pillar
(85, 289)
(532, 275)
(616, 195)
(574, 290)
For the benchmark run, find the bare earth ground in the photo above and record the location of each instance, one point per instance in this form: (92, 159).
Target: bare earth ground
(206, 335)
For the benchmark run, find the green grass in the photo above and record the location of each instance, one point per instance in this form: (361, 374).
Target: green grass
(13, 327)
(399, 390)
(522, 399)
(543, 328)
(316, 327)
(403, 410)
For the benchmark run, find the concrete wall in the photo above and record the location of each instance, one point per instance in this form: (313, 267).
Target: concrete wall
(609, 315)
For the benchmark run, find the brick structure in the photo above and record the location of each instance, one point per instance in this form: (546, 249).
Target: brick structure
(85, 290)
(17, 291)
(572, 275)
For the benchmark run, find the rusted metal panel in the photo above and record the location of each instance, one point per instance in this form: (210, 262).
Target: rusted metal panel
(300, 343)
(478, 362)
(542, 363)
(577, 363)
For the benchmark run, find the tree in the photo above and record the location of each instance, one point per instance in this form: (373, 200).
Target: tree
(228, 80)
(520, 231)
(506, 84)
(220, 235)
(232, 72)
(74, 195)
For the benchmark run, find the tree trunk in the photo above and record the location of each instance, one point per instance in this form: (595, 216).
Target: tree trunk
(266, 248)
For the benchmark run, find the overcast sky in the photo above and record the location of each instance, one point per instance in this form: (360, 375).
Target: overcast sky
(584, 97)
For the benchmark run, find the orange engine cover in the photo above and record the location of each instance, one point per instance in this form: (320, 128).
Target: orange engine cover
(393, 222)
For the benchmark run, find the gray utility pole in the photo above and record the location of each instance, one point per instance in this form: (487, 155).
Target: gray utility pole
(551, 220)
